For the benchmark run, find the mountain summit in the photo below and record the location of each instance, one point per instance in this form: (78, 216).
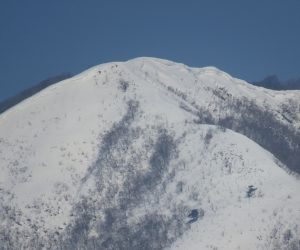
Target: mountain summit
(151, 154)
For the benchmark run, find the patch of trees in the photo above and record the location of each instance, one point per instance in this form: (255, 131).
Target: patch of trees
(122, 187)
(251, 191)
(247, 118)
(123, 85)
(195, 214)
(259, 125)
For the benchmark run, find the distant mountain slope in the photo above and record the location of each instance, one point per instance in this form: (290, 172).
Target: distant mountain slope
(273, 82)
(136, 155)
(14, 100)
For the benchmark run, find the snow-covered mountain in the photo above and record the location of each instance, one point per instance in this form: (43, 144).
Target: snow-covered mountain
(151, 154)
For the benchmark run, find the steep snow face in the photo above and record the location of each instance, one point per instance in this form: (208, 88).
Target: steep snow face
(210, 87)
(222, 178)
(270, 118)
(121, 157)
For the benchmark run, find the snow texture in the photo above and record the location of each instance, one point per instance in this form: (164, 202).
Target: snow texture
(151, 154)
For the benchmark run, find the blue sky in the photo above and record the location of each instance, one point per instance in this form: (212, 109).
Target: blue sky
(246, 38)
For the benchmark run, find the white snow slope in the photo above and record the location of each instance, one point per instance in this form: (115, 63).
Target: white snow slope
(120, 147)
